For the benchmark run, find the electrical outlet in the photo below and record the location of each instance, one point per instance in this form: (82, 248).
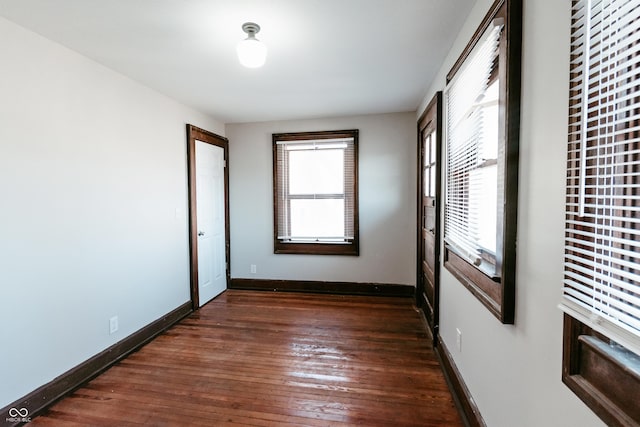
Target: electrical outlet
(253, 269)
(113, 324)
(459, 339)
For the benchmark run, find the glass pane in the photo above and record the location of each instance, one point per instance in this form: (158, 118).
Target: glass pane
(432, 187)
(483, 206)
(490, 122)
(425, 184)
(311, 218)
(426, 147)
(425, 165)
(432, 140)
(316, 171)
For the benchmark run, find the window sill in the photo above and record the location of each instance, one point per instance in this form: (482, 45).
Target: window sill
(599, 375)
(341, 248)
(488, 290)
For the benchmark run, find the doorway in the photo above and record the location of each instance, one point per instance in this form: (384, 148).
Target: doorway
(429, 189)
(208, 214)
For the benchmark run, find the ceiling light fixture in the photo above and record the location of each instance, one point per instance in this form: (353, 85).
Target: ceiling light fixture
(251, 51)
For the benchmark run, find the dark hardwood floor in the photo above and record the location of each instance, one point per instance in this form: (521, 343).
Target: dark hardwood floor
(265, 359)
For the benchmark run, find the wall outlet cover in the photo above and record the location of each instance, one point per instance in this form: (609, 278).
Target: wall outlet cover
(113, 324)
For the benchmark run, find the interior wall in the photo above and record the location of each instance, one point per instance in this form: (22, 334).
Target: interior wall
(387, 145)
(93, 223)
(514, 371)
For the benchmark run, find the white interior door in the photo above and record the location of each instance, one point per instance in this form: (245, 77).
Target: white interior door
(212, 259)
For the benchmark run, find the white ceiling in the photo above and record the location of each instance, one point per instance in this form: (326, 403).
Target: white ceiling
(326, 57)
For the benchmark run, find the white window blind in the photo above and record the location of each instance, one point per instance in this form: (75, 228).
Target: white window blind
(315, 186)
(602, 234)
(473, 171)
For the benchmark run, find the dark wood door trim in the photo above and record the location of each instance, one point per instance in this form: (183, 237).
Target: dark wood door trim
(195, 133)
(430, 120)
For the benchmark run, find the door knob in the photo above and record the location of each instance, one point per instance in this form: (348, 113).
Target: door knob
(200, 233)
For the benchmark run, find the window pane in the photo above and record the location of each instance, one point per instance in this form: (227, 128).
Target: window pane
(472, 145)
(490, 122)
(432, 187)
(425, 181)
(311, 218)
(432, 148)
(483, 206)
(426, 161)
(431, 160)
(316, 171)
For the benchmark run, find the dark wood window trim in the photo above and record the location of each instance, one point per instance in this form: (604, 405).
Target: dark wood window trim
(498, 293)
(599, 376)
(350, 247)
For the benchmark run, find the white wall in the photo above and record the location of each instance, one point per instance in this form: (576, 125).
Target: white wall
(387, 146)
(514, 372)
(92, 172)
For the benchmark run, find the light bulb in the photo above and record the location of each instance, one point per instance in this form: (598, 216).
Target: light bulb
(252, 53)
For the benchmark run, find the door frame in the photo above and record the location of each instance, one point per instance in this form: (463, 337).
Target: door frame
(195, 133)
(430, 119)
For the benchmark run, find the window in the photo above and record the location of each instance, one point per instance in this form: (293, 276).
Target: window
(601, 292)
(482, 100)
(315, 176)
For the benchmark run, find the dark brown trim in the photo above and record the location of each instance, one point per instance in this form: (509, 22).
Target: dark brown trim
(597, 376)
(480, 285)
(501, 303)
(40, 399)
(312, 286)
(328, 134)
(512, 155)
(430, 119)
(351, 247)
(464, 401)
(194, 133)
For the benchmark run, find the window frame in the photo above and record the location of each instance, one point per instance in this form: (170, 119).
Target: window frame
(351, 247)
(497, 293)
(599, 376)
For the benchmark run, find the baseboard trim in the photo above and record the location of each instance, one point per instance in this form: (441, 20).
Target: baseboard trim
(466, 405)
(40, 399)
(312, 286)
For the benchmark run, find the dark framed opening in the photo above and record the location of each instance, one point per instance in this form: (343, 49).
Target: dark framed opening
(428, 215)
(482, 177)
(197, 134)
(315, 193)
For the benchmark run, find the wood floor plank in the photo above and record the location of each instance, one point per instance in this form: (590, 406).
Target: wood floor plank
(258, 358)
